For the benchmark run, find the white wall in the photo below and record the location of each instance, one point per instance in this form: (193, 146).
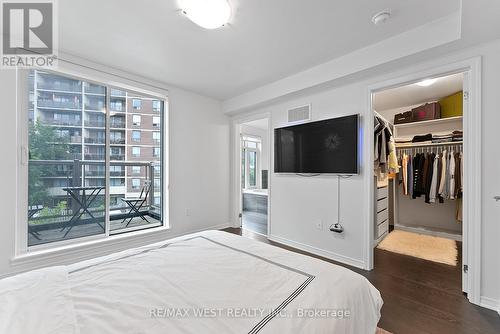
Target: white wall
(298, 203)
(199, 169)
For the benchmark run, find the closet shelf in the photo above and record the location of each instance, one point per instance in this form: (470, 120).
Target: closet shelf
(430, 144)
(432, 121)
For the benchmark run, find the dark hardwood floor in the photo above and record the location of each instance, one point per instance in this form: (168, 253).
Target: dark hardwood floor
(419, 296)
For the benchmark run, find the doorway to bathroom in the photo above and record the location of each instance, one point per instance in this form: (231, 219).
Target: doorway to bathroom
(254, 172)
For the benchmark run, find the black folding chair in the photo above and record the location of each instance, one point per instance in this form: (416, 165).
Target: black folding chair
(136, 203)
(32, 211)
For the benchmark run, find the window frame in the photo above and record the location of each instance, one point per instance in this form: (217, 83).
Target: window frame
(134, 123)
(155, 124)
(25, 253)
(133, 138)
(140, 103)
(153, 106)
(244, 149)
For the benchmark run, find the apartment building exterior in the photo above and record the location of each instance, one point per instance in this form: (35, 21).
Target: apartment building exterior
(76, 112)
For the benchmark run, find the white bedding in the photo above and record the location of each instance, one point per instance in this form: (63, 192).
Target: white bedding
(209, 282)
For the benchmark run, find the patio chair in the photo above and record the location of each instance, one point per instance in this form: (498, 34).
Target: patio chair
(32, 211)
(136, 203)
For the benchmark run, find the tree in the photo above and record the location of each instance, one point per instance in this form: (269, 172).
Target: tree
(44, 144)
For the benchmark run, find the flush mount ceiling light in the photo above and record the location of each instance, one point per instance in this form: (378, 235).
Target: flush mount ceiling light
(381, 17)
(426, 83)
(208, 14)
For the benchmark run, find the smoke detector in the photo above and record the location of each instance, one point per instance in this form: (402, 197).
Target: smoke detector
(381, 17)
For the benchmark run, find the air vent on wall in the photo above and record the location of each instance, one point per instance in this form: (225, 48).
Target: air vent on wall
(302, 113)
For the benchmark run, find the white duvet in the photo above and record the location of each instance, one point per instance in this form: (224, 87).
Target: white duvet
(209, 282)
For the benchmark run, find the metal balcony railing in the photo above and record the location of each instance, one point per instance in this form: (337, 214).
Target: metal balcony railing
(67, 122)
(93, 89)
(41, 103)
(94, 156)
(119, 157)
(117, 124)
(94, 106)
(60, 206)
(95, 123)
(95, 140)
(59, 86)
(116, 107)
(117, 141)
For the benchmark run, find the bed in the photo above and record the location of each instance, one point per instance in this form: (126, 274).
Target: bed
(208, 282)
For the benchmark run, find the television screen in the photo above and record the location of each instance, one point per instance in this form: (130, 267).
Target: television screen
(328, 146)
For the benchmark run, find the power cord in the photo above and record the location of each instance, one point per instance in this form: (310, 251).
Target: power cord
(337, 227)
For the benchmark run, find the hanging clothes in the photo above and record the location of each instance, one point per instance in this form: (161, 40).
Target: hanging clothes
(458, 176)
(410, 175)
(434, 176)
(429, 177)
(434, 180)
(385, 158)
(442, 184)
(452, 175)
(404, 167)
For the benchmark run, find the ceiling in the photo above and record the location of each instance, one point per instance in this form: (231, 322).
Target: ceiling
(410, 95)
(265, 40)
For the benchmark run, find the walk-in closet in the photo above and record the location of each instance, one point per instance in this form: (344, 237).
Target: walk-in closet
(418, 170)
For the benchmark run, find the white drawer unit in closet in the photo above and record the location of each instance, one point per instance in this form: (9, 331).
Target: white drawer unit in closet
(381, 213)
(382, 229)
(382, 192)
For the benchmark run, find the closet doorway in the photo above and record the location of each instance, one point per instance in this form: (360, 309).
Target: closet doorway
(421, 147)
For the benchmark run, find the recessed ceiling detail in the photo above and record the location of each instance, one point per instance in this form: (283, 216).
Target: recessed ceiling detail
(264, 42)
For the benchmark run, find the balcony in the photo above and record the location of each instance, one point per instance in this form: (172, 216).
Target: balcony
(117, 157)
(117, 141)
(117, 107)
(94, 106)
(94, 89)
(117, 124)
(61, 86)
(95, 140)
(46, 103)
(117, 173)
(94, 156)
(97, 123)
(59, 213)
(94, 173)
(62, 122)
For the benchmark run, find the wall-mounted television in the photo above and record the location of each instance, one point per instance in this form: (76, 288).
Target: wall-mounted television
(323, 147)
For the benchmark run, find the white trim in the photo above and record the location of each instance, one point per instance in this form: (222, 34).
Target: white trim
(318, 251)
(490, 303)
(235, 156)
(472, 179)
(107, 79)
(73, 253)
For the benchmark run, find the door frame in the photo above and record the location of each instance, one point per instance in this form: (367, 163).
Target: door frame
(236, 191)
(471, 228)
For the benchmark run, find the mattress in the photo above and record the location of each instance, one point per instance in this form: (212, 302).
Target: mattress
(208, 282)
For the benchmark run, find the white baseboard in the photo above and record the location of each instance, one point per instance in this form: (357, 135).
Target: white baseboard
(320, 252)
(422, 230)
(490, 303)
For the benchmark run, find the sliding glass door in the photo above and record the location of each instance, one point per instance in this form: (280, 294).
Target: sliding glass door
(95, 163)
